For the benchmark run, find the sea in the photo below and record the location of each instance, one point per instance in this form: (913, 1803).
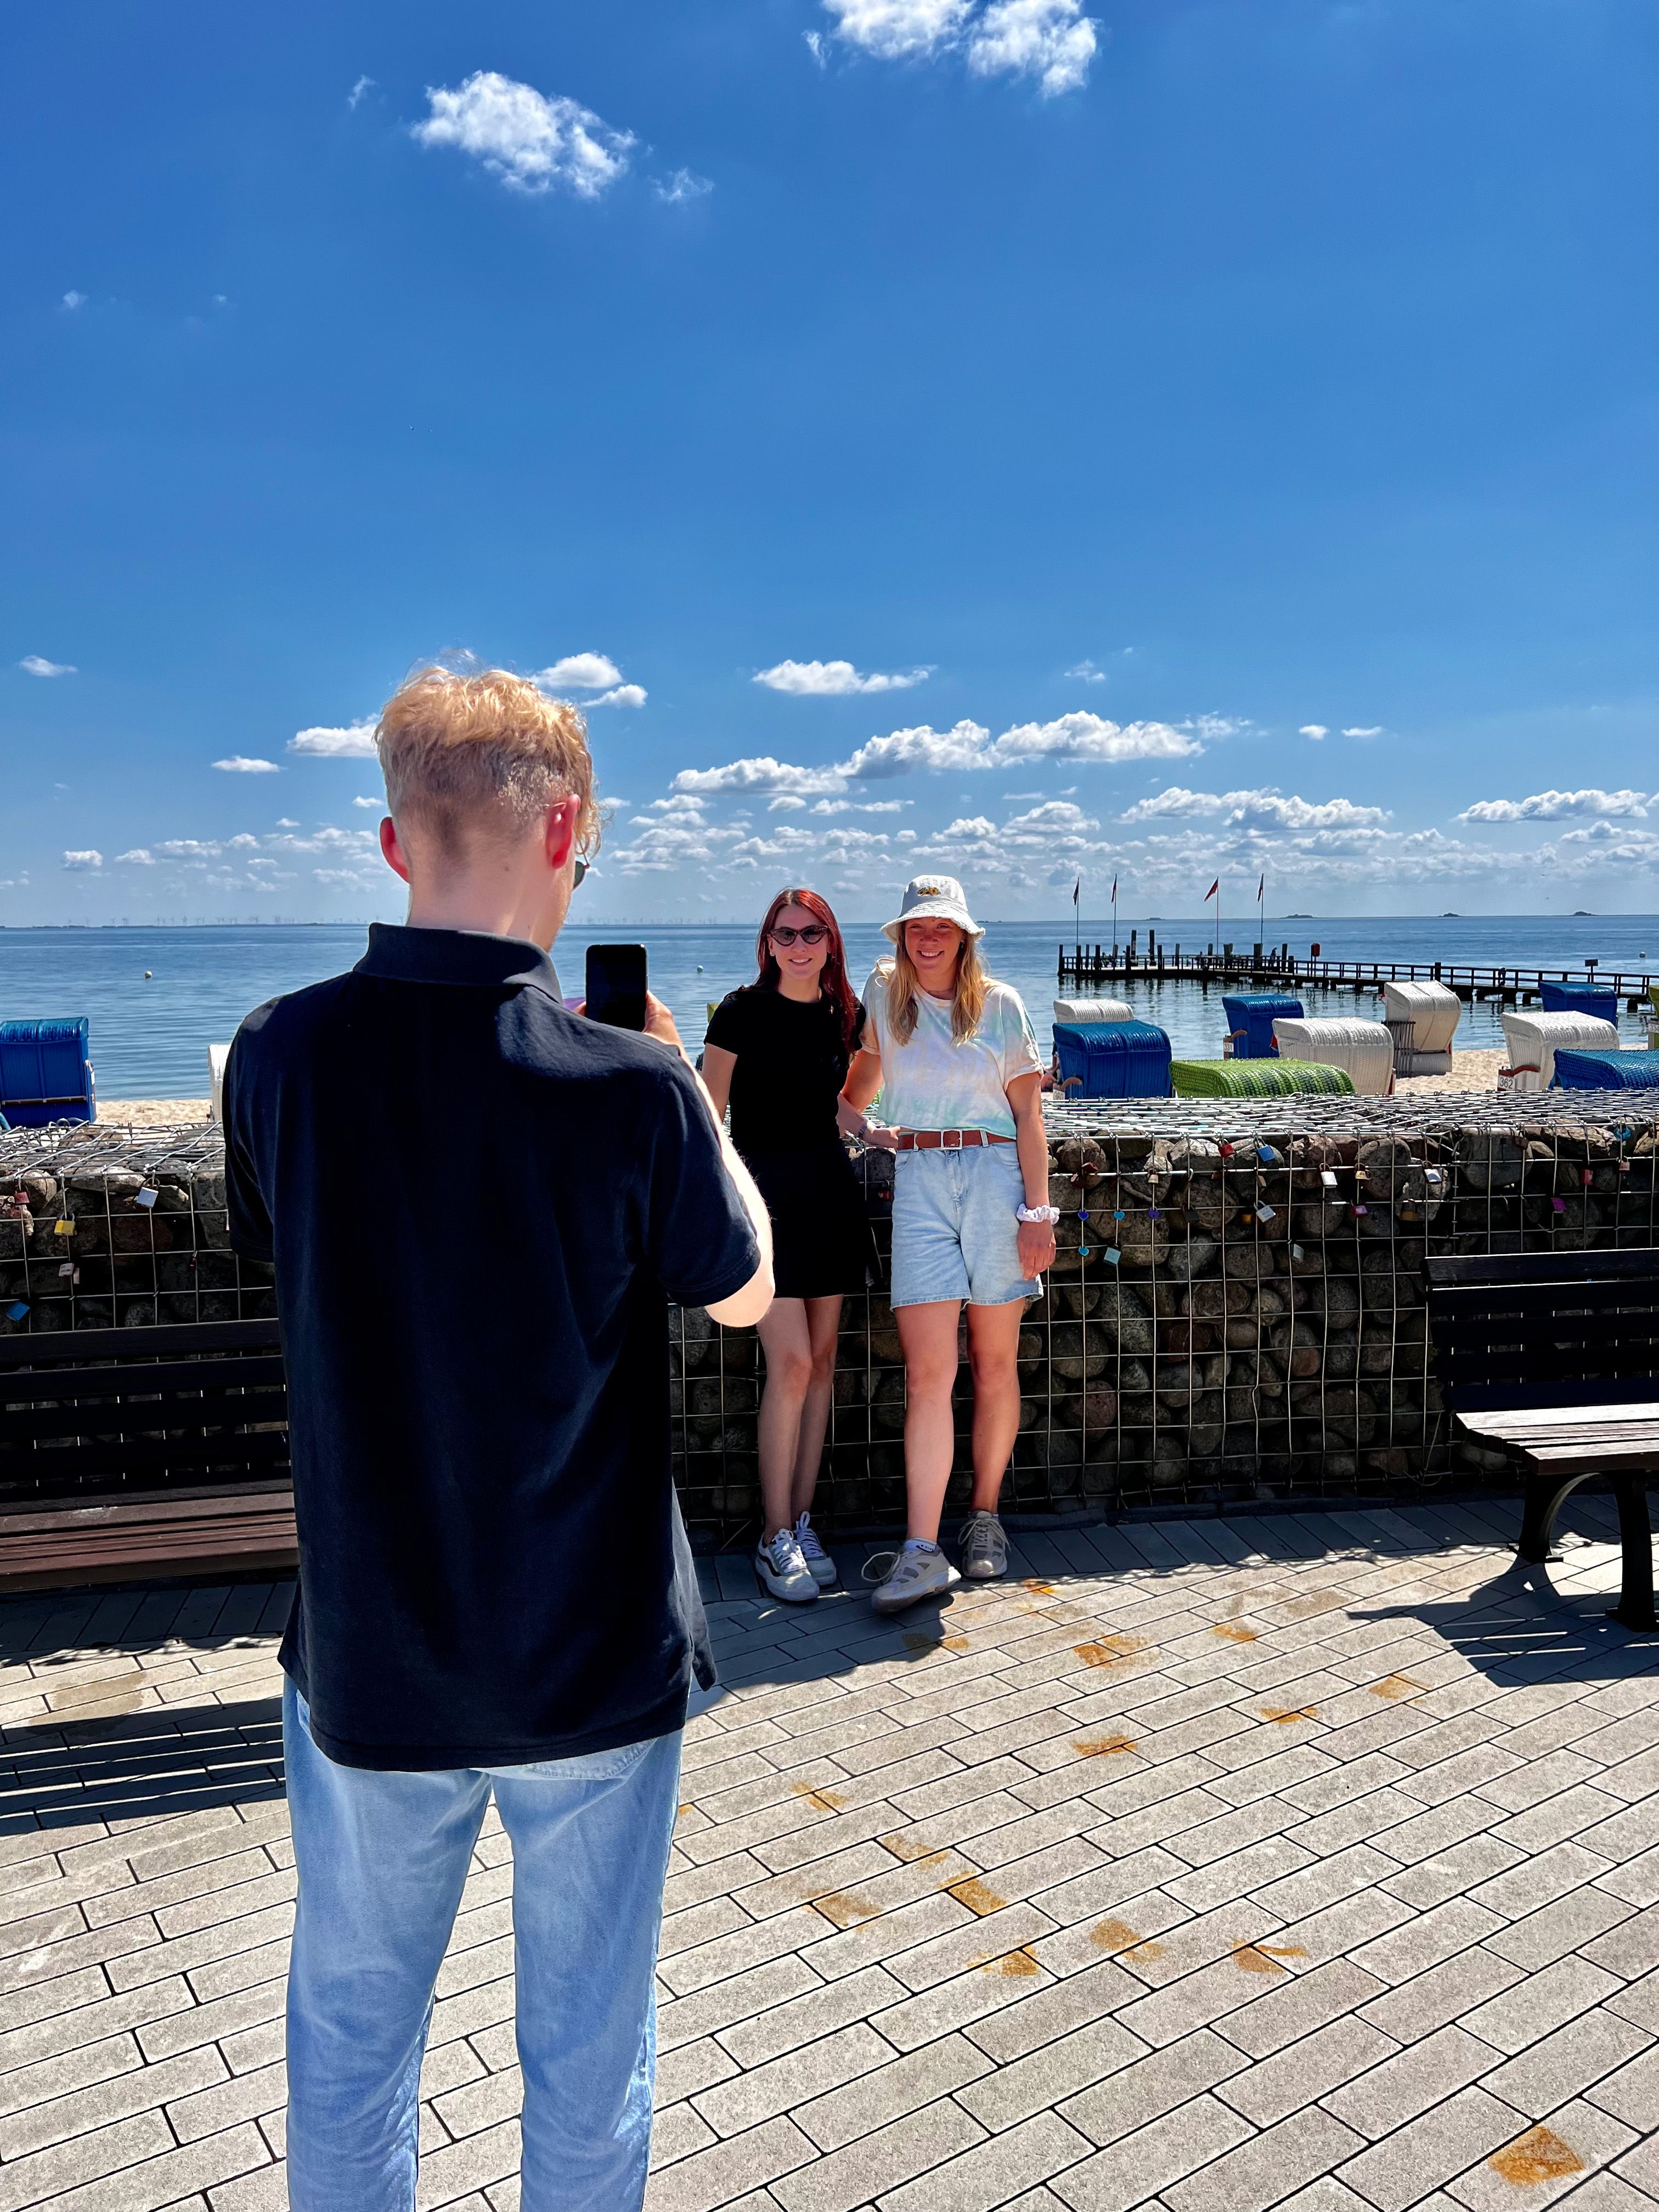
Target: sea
(157, 997)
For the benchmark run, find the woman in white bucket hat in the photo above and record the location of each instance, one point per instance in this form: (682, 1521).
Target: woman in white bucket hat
(956, 1061)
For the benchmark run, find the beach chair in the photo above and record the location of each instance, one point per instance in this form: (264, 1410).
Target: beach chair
(45, 1074)
(1364, 1050)
(1422, 1020)
(1111, 1059)
(1256, 1079)
(1605, 1070)
(1599, 1000)
(1093, 1010)
(1250, 1017)
(1533, 1040)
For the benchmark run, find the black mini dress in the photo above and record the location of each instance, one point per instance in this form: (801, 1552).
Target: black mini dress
(791, 1064)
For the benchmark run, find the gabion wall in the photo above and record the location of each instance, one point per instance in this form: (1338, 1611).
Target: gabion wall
(1236, 1312)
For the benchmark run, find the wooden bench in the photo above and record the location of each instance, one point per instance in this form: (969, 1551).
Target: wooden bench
(126, 1453)
(1556, 1356)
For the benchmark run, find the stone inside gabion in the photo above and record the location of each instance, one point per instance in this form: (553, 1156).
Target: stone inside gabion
(1236, 1311)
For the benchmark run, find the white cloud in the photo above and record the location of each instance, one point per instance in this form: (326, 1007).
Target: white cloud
(358, 89)
(379, 805)
(1557, 807)
(759, 773)
(1087, 672)
(1313, 729)
(1049, 40)
(833, 679)
(32, 663)
(139, 857)
(529, 140)
(971, 829)
(90, 859)
(785, 802)
(680, 186)
(682, 803)
(580, 672)
(1085, 737)
(1267, 809)
(355, 742)
(1058, 814)
(240, 764)
(74, 300)
(860, 807)
(964, 745)
(286, 822)
(815, 47)
(1375, 731)
(622, 694)
(892, 29)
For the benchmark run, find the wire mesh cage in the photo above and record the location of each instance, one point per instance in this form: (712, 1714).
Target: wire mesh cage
(1236, 1312)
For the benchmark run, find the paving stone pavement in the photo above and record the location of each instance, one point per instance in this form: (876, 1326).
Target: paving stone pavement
(1308, 1860)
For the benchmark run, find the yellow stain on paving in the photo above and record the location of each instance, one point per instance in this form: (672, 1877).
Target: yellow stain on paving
(825, 1801)
(915, 1641)
(955, 1643)
(1233, 1632)
(680, 1811)
(1118, 1936)
(843, 1910)
(1265, 1958)
(915, 1850)
(975, 1895)
(1291, 1713)
(1102, 1747)
(1396, 1686)
(1109, 1651)
(1538, 2156)
(1039, 1589)
(1014, 1966)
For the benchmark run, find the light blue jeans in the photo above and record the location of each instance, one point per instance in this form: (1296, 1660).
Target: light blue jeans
(956, 1227)
(382, 1861)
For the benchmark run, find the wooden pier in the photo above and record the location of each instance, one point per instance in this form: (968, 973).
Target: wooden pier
(1088, 966)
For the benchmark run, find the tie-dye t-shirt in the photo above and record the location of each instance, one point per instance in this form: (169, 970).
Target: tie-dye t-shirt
(931, 1082)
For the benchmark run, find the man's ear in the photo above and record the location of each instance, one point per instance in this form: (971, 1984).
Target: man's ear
(392, 848)
(560, 833)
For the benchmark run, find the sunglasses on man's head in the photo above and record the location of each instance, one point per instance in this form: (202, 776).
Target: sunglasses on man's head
(813, 933)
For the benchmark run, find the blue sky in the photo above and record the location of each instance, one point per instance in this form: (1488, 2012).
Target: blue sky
(1025, 437)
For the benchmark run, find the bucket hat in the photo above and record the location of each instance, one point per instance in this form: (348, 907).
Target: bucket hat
(939, 898)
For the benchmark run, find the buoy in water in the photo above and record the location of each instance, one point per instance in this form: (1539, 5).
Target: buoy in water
(149, 978)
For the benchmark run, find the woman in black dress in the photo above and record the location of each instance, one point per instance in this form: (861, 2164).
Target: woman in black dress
(778, 1051)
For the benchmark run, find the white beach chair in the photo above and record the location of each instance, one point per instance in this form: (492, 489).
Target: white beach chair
(1533, 1040)
(1422, 1018)
(1363, 1049)
(1093, 1010)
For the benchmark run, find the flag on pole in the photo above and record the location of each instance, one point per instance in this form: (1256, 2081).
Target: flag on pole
(1261, 888)
(1213, 889)
(1076, 889)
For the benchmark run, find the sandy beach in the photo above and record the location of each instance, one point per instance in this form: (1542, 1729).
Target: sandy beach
(153, 1113)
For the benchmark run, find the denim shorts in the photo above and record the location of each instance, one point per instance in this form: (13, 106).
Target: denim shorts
(955, 1229)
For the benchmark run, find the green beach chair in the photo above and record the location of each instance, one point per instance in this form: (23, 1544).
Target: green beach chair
(1255, 1078)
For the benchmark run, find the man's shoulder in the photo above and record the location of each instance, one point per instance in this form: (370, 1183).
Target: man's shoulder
(293, 1012)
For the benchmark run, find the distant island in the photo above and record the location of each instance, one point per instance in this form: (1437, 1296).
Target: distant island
(1582, 913)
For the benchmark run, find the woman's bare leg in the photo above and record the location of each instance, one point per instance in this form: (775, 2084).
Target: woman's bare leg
(823, 1329)
(928, 1334)
(787, 1345)
(992, 1348)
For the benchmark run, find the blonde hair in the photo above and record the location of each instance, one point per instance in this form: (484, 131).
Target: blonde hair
(482, 756)
(966, 994)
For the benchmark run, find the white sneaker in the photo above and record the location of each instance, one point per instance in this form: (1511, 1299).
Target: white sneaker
(781, 1572)
(819, 1564)
(907, 1575)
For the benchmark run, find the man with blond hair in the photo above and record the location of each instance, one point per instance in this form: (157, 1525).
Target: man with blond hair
(478, 1205)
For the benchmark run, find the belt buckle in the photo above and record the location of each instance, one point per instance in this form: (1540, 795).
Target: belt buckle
(950, 1140)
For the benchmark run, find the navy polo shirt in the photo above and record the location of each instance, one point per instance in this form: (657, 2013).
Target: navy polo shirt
(478, 1205)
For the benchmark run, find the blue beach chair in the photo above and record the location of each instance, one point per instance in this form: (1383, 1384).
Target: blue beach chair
(1250, 1017)
(1605, 1070)
(45, 1074)
(1112, 1059)
(1600, 1000)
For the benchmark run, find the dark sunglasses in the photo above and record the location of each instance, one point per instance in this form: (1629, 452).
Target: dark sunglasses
(814, 933)
(580, 871)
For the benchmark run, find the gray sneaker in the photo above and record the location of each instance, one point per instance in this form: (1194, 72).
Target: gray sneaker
(782, 1573)
(819, 1564)
(984, 1548)
(909, 1576)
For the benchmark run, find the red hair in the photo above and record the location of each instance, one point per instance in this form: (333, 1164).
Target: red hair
(833, 982)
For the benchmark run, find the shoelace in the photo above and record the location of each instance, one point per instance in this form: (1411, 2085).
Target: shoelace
(807, 1538)
(881, 1566)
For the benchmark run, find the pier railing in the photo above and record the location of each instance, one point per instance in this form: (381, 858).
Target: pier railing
(1088, 965)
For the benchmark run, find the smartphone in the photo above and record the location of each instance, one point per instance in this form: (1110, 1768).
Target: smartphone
(616, 985)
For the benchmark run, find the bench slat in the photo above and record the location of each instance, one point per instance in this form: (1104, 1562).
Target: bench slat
(82, 1345)
(134, 1378)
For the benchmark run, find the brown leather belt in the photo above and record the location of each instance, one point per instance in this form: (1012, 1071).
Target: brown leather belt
(946, 1140)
